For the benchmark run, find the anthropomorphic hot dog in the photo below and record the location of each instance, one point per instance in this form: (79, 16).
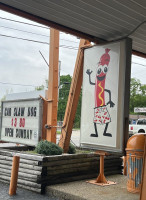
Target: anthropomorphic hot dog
(101, 114)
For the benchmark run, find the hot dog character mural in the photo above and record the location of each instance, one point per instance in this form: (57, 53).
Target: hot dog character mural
(101, 114)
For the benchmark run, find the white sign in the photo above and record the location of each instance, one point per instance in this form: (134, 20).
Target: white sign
(21, 121)
(102, 116)
(138, 110)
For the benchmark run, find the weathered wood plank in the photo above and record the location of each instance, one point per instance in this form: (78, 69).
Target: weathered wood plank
(62, 178)
(73, 165)
(2, 157)
(30, 167)
(20, 181)
(20, 173)
(9, 158)
(38, 190)
(22, 155)
(68, 157)
(28, 183)
(73, 161)
(86, 162)
(70, 161)
(22, 167)
(30, 162)
(24, 187)
(63, 171)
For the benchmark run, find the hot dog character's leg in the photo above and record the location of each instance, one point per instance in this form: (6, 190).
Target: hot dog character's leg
(105, 133)
(96, 133)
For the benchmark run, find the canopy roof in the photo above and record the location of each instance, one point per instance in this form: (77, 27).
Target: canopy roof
(97, 20)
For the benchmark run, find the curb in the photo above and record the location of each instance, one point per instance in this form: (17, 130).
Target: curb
(51, 192)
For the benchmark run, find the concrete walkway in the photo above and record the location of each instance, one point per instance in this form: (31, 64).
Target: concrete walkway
(80, 190)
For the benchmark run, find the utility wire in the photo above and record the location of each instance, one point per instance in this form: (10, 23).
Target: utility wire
(120, 38)
(12, 20)
(5, 83)
(139, 64)
(24, 31)
(44, 58)
(19, 38)
(17, 21)
(36, 41)
(34, 33)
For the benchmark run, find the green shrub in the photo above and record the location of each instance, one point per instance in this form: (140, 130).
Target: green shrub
(48, 148)
(72, 149)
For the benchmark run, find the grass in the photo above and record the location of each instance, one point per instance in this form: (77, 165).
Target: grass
(80, 151)
(31, 152)
(58, 132)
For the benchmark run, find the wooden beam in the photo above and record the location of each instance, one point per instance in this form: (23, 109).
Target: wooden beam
(143, 185)
(73, 98)
(140, 54)
(53, 85)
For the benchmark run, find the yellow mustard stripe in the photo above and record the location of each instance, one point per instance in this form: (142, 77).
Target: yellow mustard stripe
(100, 94)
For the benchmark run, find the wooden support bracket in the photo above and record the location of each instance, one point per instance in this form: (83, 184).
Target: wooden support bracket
(101, 180)
(46, 100)
(73, 98)
(49, 126)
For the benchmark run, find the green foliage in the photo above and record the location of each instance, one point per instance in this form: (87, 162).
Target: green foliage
(65, 82)
(72, 149)
(48, 148)
(137, 94)
(41, 87)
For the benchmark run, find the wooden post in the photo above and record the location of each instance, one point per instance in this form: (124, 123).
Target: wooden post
(73, 98)
(101, 180)
(44, 120)
(53, 86)
(14, 175)
(143, 185)
(125, 165)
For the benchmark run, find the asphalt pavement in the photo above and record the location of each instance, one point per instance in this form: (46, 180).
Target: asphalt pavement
(22, 194)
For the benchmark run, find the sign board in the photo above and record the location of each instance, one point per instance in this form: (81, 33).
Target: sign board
(105, 96)
(138, 110)
(21, 121)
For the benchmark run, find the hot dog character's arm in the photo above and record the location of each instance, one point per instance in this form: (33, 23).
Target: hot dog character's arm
(109, 102)
(89, 73)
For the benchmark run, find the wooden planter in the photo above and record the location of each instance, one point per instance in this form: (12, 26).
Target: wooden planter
(37, 171)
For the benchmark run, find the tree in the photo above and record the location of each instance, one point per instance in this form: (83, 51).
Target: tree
(65, 82)
(64, 87)
(41, 87)
(137, 94)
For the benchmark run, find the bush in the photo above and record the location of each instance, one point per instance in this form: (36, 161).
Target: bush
(48, 148)
(72, 149)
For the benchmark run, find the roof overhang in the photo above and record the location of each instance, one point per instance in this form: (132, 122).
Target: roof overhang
(98, 21)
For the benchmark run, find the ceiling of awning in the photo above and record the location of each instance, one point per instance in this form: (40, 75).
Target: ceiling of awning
(101, 19)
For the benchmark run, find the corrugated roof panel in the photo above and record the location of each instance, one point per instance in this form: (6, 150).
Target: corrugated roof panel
(133, 7)
(104, 19)
(100, 14)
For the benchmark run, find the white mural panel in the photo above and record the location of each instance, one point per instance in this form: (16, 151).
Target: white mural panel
(103, 96)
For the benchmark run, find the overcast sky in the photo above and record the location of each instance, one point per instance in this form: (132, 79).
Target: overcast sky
(22, 64)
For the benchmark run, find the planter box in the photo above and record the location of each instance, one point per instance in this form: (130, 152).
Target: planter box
(37, 171)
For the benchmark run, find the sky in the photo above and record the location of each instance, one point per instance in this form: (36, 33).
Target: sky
(22, 67)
